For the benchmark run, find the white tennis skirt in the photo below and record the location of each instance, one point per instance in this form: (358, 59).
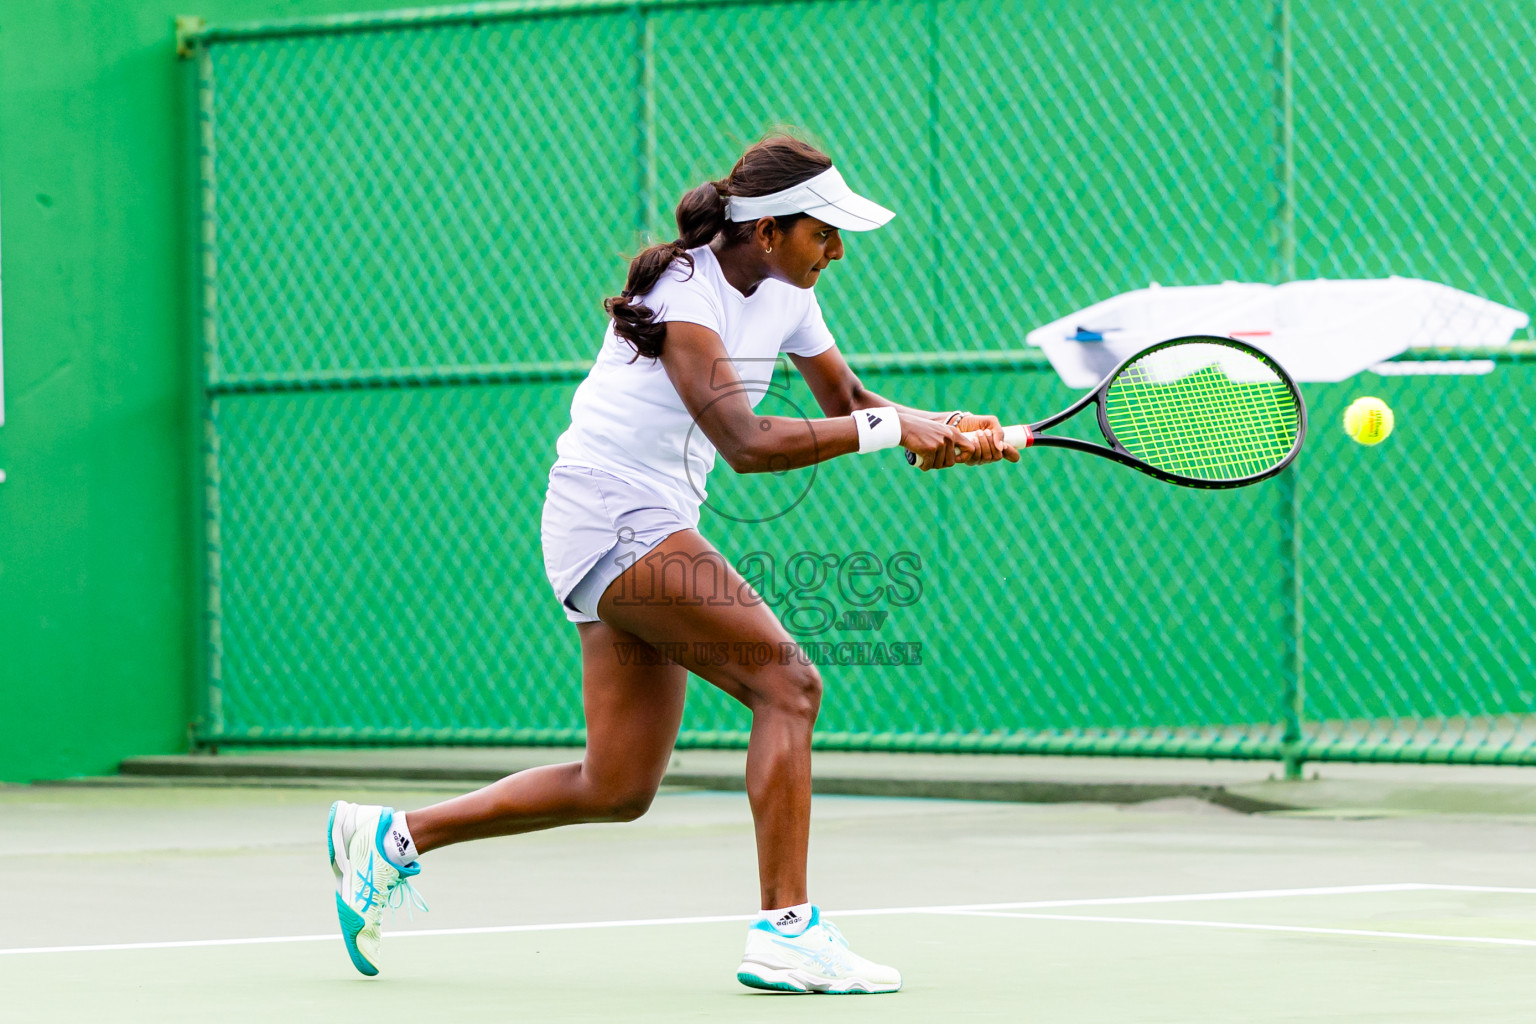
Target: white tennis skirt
(595, 526)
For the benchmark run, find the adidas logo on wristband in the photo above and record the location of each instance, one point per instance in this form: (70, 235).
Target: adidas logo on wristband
(878, 428)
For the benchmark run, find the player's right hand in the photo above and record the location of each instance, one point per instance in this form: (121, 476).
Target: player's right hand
(933, 442)
(990, 446)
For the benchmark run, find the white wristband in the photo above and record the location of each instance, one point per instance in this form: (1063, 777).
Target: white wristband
(878, 428)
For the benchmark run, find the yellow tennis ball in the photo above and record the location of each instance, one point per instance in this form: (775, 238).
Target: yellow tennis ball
(1368, 420)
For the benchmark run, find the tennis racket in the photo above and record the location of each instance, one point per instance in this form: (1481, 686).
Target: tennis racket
(1199, 412)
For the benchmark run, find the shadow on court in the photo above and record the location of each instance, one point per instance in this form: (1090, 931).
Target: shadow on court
(1171, 911)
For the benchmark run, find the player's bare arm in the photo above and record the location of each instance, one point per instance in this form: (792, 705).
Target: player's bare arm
(839, 392)
(714, 394)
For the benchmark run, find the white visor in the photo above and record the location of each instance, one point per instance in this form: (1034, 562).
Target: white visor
(826, 197)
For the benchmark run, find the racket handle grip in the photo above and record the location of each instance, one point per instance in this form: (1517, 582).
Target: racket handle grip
(1019, 436)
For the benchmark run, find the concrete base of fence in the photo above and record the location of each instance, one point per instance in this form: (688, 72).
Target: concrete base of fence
(1345, 790)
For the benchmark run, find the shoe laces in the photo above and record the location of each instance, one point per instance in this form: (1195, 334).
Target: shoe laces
(402, 893)
(398, 892)
(835, 934)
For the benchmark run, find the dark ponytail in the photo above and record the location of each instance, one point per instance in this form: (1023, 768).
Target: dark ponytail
(774, 164)
(700, 217)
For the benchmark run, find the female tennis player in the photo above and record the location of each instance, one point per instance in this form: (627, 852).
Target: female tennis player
(663, 397)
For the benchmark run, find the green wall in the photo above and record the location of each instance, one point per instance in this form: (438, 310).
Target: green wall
(97, 620)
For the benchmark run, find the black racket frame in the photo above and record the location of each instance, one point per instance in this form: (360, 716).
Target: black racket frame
(1117, 451)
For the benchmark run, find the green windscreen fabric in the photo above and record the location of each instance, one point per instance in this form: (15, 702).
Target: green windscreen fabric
(411, 220)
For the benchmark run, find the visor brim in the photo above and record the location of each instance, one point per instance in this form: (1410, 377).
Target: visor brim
(852, 213)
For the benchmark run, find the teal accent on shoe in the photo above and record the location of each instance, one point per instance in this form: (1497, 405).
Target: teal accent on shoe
(753, 981)
(351, 923)
(330, 833)
(386, 816)
(366, 890)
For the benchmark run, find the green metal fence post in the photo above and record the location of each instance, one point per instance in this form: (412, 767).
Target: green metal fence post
(935, 177)
(1293, 698)
(647, 123)
(1292, 701)
(209, 703)
(1285, 104)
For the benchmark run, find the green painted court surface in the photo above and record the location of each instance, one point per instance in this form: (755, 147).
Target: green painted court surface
(1172, 911)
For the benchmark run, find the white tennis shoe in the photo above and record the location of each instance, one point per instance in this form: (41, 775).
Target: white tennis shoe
(366, 880)
(816, 960)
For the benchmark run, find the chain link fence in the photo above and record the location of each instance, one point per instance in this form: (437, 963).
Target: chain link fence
(410, 221)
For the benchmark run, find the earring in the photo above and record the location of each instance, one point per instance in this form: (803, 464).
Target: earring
(768, 250)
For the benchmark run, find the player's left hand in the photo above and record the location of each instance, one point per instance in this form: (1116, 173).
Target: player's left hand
(990, 446)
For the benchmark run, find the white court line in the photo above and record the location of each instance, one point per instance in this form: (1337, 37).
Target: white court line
(1120, 901)
(410, 934)
(959, 908)
(1233, 925)
(1481, 888)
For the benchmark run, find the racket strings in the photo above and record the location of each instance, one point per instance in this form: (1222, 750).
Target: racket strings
(1210, 431)
(1231, 418)
(1222, 442)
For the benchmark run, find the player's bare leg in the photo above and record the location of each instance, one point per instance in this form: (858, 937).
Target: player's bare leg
(633, 713)
(677, 606)
(685, 597)
(634, 703)
(633, 707)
